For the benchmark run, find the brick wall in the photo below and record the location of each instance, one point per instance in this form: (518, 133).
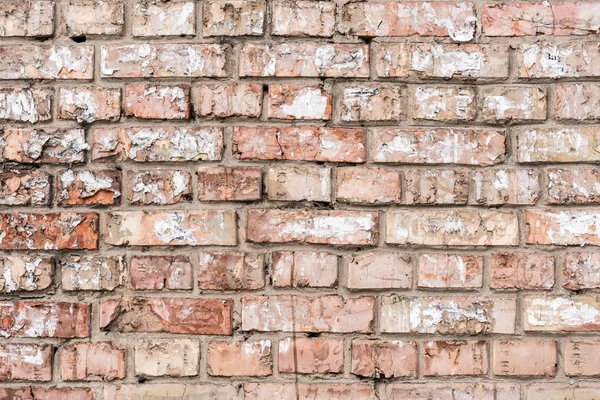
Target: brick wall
(233, 200)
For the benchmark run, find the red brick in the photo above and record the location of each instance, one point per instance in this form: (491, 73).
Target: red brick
(371, 102)
(159, 186)
(298, 183)
(298, 269)
(160, 272)
(164, 390)
(575, 101)
(24, 188)
(525, 357)
(91, 187)
(580, 357)
(559, 144)
(93, 17)
(368, 185)
(26, 18)
(25, 105)
(300, 143)
(156, 315)
(32, 61)
(223, 100)
(562, 390)
(581, 270)
(25, 273)
(25, 362)
(158, 144)
(298, 102)
(506, 186)
(44, 146)
(450, 390)
(318, 391)
(230, 271)
(163, 60)
(374, 270)
(573, 185)
(37, 319)
(89, 104)
(438, 146)
(446, 271)
(558, 60)
(444, 104)
(89, 272)
(310, 314)
(455, 358)
(311, 355)
(447, 315)
(192, 228)
(233, 18)
(447, 19)
(52, 393)
(229, 184)
(303, 18)
(309, 226)
(522, 270)
(385, 359)
(304, 59)
(157, 101)
(506, 103)
(436, 186)
(240, 358)
(50, 231)
(92, 361)
(157, 18)
(562, 227)
(167, 357)
(561, 313)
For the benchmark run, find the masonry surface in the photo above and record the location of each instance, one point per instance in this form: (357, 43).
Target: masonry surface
(299, 200)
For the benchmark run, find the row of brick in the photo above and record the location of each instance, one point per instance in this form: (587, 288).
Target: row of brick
(456, 20)
(301, 269)
(301, 59)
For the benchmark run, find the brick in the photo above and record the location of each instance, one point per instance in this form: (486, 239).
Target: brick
(581, 270)
(38, 319)
(436, 186)
(25, 273)
(558, 144)
(163, 60)
(167, 357)
(230, 271)
(52, 393)
(577, 101)
(157, 101)
(562, 227)
(234, 18)
(184, 391)
(25, 362)
(24, 188)
(453, 228)
(158, 144)
(525, 357)
(43, 146)
(93, 17)
(229, 184)
(501, 103)
(90, 272)
(192, 228)
(300, 143)
(438, 146)
(26, 18)
(455, 358)
(558, 60)
(25, 105)
(92, 361)
(294, 391)
(308, 226)
(374, 270)
(29, 61)
(562, 390)
(155, 315)
(303, 18)
(444, 104)
(157, 18)
(49, 231)
(561, 313)
(455, 20)
(298, 183)
(311, 355)
(450, 390)
(506, 186)
(573, 185)
(298, 102)
(447, 315)
(369, 102)
(221, 100)
(304, 60)
(446, 271)
(580, 357)
(160, 272)
(240, 358)
(522, 270)
(159, 186)
(90, 187)
(384, 359)
(299, 269)
(368, 185)
(89, 104)
(311, 314)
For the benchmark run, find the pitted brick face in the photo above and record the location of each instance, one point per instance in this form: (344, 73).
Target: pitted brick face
(299, 199)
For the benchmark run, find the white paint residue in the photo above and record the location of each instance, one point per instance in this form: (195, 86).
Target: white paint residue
(170, 229)
(309, 103)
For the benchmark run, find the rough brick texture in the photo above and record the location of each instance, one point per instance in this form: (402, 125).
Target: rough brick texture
(299, 200)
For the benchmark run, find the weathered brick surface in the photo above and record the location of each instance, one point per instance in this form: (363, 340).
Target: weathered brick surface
(299, 199)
